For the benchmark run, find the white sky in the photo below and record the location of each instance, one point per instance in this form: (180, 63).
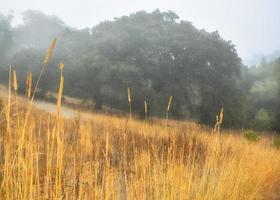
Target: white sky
(252, 25)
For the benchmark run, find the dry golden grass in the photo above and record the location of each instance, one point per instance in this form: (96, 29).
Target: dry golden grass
(105, 157)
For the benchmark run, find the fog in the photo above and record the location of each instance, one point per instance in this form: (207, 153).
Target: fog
(131, 99)
(252, 25)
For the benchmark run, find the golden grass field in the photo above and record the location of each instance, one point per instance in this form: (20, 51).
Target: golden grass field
(97, 156)
(107, 157)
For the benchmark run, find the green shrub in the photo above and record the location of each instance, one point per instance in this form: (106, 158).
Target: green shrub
(252, 136)
(276, 142)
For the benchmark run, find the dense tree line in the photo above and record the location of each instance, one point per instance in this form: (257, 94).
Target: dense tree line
(156, 55)
(263, 95)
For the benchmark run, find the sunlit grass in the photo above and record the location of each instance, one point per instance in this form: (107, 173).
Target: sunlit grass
(103, 157)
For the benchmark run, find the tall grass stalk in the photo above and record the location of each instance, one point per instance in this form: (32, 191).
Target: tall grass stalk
(15, 86)
(46, 61)
(28, 85)
(129, 101)
(219, 121)
(167, 110)
(146, 110)
(59, 136)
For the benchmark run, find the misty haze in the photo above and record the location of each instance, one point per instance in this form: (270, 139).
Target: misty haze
(140, 100)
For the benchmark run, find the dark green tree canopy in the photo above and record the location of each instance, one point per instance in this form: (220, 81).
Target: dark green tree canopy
(158, 56)
(155, 54)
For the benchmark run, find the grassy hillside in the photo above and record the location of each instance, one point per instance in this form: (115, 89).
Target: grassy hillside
(94, 156)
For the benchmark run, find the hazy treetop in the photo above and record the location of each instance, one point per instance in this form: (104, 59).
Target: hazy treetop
(252, 25)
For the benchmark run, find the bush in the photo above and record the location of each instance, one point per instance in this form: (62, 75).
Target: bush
(276, 142)
(252, 136)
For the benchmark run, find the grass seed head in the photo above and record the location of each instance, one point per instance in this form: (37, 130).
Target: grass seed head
(15, 80)
(169, 102)
(50, 51)
(128, 95)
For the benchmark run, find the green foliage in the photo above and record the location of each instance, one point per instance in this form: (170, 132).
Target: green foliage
(157, 56)
(276, 122)
(251, 136)
(262, 104)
